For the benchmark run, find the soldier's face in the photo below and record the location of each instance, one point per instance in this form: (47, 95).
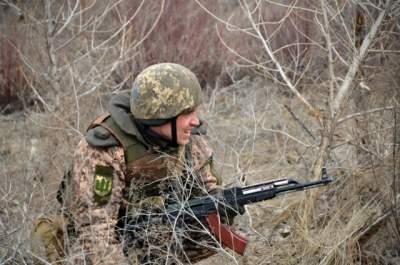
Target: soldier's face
(184, 126)
(185, 123)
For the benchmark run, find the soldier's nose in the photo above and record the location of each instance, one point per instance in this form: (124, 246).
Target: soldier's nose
(195, 121)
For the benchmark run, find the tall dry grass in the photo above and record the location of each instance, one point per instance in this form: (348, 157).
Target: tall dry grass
(259, 130)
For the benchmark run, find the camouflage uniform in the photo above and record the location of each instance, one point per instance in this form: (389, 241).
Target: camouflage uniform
(119, 174)
(95, 221)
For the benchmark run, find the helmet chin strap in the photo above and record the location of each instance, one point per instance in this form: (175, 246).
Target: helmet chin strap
(174, 133)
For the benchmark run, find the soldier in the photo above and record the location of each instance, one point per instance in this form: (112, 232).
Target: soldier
(148, 150)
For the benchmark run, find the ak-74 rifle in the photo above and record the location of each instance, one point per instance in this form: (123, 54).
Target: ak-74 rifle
(208, 208)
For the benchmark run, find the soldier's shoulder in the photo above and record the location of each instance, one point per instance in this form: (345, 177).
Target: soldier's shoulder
(84, 148)
(100, 137)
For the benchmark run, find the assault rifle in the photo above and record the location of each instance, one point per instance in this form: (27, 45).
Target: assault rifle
(208, 208)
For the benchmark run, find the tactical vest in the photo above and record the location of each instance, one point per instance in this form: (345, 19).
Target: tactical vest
(172, 175)
(113, 135)
(152, 172)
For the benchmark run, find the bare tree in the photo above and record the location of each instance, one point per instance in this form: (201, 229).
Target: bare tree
(334, 49)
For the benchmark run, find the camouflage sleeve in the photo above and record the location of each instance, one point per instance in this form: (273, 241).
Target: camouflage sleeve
(202, 155)
(98, 180)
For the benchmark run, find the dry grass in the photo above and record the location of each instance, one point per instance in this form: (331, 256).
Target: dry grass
(343, 210)
(258, 132)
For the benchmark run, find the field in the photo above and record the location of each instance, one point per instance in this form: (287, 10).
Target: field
(289, 89)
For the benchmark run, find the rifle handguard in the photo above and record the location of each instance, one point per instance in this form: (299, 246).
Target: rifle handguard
(225, 235)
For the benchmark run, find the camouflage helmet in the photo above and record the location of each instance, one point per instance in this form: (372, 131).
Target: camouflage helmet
(163, 91)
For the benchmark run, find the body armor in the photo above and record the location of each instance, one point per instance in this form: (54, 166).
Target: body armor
(155, 176)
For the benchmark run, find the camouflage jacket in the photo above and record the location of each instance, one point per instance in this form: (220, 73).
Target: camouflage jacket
(105, 186)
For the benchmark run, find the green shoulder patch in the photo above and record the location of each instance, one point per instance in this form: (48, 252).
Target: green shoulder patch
(102, 183)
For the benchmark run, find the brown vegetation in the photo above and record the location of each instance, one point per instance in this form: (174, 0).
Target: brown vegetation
(293, 86)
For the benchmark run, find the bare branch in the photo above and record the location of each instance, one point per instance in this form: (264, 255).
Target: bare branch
(276, 62)
(288, 136)
(52, 68)
(68, 20)
(327, 35)
(363, 113)
(299, 121)
(358, 57)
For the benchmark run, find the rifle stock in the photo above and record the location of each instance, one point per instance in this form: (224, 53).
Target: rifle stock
(225, 235)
